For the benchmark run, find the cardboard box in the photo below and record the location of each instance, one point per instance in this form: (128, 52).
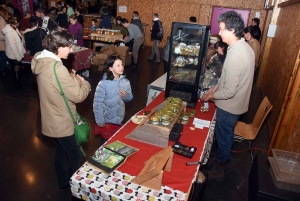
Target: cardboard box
(109, 50)
(99, 58)
(101, 67)
(126, 60)
(123, 51)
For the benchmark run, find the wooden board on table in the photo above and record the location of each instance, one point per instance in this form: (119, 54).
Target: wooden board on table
(157, 135)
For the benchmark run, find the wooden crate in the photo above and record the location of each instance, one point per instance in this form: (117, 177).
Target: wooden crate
(102, 37)
(157, 135)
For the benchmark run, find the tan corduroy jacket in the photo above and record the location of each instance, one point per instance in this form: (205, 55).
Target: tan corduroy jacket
(56, 120)
(234, 88)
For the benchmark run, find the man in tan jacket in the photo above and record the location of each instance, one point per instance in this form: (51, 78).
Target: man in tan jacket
(232, 94)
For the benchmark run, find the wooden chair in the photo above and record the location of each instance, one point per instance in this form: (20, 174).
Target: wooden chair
(249, 132)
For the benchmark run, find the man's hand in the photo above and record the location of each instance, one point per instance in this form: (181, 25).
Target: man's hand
(212, 90)
(205, 97)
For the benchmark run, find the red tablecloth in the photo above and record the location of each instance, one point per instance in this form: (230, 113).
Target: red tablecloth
(181, 176)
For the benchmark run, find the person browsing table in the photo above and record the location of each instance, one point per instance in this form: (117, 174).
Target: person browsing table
(232, 93)
(136, 35)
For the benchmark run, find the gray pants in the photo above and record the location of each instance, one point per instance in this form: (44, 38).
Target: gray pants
(155, 50)
(135, 49)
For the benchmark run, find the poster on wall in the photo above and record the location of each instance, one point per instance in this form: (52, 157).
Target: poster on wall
(123, 9)
(217, 11)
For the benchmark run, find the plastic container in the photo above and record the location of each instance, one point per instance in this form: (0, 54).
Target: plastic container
(282, 183)
(288, 162)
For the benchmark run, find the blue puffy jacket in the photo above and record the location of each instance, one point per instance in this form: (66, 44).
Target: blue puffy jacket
(105, 22)
(109, 105)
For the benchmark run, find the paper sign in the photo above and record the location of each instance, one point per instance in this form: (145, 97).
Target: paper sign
(52, 3)
(201, 123)
(123, 9)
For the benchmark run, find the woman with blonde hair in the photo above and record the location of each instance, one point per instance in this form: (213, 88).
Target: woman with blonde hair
(14, 48)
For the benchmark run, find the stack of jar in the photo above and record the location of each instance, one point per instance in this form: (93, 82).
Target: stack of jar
(108, 32)
(167, 113)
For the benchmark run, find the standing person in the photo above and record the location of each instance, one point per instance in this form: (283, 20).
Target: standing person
(45, 21)
(136, 20)
(3, 67)
(58, 7)
(111, 93)
(79, 15)
(76, 29)
(105, 22)
(250, 34)
(34, 36)
(156, 37)
(136, 35)
(93, 25)
(232, 93)
(62, 18)
(56, 120)
(255, 25)
(70, 10)
(14, 48)
(52, 13)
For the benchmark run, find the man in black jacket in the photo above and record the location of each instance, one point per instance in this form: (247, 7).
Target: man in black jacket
(44, 20)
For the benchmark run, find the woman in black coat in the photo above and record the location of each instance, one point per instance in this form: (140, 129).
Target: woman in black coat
(34, 36)
(62, 18)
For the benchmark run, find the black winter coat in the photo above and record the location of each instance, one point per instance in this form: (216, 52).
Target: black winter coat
(34, 39)
(155, 30)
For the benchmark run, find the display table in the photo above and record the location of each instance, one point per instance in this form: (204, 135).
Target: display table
(89, 183)
(92, 42)
(79, 60)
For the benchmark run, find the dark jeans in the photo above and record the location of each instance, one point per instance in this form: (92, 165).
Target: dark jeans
(2, 61)
(224, 133)
(66, 147)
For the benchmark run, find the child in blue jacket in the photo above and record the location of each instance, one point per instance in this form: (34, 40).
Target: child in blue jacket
(111, 93)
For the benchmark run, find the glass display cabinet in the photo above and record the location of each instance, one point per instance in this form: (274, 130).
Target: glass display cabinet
(188, 48)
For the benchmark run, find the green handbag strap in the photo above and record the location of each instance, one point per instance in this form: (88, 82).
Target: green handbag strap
(63, 94)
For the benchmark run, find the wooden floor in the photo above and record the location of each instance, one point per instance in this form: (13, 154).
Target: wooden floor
(27, 168)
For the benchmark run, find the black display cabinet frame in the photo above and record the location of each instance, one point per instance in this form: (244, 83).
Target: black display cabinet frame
(188, 49)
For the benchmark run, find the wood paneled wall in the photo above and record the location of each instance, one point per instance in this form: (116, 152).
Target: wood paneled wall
(280, 63)
(180, 10)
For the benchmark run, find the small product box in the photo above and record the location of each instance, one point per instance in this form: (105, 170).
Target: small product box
(184, 150)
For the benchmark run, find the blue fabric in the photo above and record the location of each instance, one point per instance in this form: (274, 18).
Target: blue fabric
(224, 133)
(109, 106)
(105, 22)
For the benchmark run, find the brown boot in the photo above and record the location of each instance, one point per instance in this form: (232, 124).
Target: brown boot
(217, 173)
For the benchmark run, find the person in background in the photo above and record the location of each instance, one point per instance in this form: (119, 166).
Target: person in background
(250, 34)
(70, 10)
(3, 66)
(111, 93)
(221, 51)
(118, 26)
(58, 7)
(93, 26)
(135, 14)
(165, 55)
(79, 15)
(24, 23)
(52, 13)
(98, 20)
(45, 21)
(136, 35)
(136, 20)
(255, 25)
(55, 118)
(156, 37)
(10, 10)
(105, 22)
(62, 18)
(76, 29)
(101, 12)
(232, 94)
(14, 48)
(34, 36)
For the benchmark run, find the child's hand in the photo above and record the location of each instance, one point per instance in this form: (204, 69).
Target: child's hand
(123, 93)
